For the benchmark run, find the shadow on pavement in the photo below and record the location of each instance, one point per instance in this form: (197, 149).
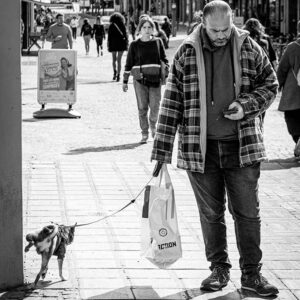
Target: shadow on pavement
(279, 164)
(128, 292)
(32, 120)
(80, 82)
(29, 89)
(147, 292)
(103, 149)
(25, 291)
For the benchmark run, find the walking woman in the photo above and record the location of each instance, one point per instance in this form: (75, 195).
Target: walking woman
(144, 62)
(288, 74)
(99, 34)
(117, 42)
(87, 32)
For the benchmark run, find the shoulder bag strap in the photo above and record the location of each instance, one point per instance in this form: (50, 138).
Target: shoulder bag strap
(158, 48)
(119, 30)
(299, 68)
(139, 56)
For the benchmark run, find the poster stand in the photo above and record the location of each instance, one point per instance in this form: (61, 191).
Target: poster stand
(57, 83)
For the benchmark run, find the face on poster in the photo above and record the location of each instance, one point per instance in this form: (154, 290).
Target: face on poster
(57, 76)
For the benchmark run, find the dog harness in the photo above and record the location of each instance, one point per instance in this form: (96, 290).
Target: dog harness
(65, 236)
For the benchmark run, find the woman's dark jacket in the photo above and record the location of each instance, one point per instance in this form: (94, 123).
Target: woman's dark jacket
(98, 31)
(116, 40)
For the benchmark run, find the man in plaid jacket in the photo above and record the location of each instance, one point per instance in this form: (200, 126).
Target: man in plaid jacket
(220, 84)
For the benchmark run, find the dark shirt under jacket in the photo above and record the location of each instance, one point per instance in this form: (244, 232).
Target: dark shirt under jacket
(220, 92)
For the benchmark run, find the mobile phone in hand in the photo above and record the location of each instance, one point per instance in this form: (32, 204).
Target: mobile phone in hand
(230, 111)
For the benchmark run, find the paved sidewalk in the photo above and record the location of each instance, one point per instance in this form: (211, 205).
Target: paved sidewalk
(103, 174)
(104, 262)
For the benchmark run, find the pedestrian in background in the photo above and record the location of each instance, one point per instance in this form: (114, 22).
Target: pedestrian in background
(87, 33)
(197, 19)
(288, 73)
(117, 42)
(220, 83)
(74, 24)
(59, 34)
(99, 34)
(132, 26)
(256, 31)
(159, 33)
(143, 62)
(167, 28)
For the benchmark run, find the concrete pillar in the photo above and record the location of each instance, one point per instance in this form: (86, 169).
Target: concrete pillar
(11, 241)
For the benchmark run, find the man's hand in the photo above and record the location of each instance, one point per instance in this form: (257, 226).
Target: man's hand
(125, 87)
(57, 38)
(238, 115)
(157, 168)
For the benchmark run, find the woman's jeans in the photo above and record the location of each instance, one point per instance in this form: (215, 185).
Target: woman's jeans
(147, 97)
(223, 173)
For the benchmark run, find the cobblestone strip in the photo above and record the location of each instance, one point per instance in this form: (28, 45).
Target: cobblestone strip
(133, 177)
(113, 288)
(73, 293)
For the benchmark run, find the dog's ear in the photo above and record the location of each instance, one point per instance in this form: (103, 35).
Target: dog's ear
(47, 230)
(29, 237)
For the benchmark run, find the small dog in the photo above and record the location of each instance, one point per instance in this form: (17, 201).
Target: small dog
(50, 240)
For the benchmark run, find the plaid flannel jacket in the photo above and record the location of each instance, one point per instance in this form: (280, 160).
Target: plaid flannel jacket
(183, 107)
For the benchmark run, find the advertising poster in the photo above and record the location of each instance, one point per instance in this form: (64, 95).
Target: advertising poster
(57, 76)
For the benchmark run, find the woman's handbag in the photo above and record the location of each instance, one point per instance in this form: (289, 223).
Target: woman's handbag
(164, 68)
(146, 78)
(297, 76)
(160, 237)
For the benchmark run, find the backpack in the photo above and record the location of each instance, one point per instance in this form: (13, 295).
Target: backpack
(297, 76)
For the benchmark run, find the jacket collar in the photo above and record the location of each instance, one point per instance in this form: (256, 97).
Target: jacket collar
(194, 38)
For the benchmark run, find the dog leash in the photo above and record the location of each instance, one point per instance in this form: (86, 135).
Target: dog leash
(112, 214)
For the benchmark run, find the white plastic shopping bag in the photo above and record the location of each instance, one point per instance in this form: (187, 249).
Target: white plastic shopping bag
(160, 238)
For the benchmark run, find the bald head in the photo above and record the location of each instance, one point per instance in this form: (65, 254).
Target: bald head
(216, 7)
(217, 21)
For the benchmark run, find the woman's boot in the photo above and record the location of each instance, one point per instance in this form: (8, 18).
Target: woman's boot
(118, 77)
(115, 75)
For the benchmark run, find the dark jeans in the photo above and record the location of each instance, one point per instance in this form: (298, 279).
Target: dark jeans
(224, 174)
(99, 42)
(74, 32)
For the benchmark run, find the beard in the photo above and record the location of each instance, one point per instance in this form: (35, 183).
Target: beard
(220, 43)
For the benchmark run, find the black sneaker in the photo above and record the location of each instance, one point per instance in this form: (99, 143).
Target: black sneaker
(258, 284)
(217, 280)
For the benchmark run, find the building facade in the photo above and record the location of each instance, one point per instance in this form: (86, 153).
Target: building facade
(278, 16)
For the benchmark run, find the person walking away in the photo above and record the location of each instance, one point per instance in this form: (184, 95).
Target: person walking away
(143, 62)
(197, 19)
(256, 31)
(117, 42)
(99, 34)
(159, 33)
(59, 34)
(167, 28)
(289, 81)
(220, 83)
(74, 24)
(87, 33)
